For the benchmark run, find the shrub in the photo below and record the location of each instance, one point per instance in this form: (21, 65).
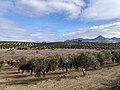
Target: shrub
(52, 64)
(116, 56)
(108, 54)
(101, 57)
(64, 63)
(40, 66)
(84, 60)
(27, 65)
(13, 63)
(1, 63)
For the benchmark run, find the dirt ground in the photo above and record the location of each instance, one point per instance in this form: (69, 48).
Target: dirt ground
(5, 54)
(94, 80)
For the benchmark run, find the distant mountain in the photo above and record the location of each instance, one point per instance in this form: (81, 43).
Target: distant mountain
(116, 39)
(97, 39)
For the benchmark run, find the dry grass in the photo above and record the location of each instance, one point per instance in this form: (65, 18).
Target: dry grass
(17, 54)
(58, 80)
(101, 79)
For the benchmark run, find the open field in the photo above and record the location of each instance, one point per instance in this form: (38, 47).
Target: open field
(6, 54)
(101, 79)
(57, 45)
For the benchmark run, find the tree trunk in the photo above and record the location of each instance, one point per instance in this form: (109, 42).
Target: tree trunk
(23, 71)
(18, 70)
(43, 74)
(66, 69)
(31, 71)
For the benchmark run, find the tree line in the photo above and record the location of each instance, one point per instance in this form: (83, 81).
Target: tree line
(87, 60)
(54, 45)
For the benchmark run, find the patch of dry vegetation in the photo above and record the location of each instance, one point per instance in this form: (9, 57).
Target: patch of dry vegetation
(55, 78)
(58, 80)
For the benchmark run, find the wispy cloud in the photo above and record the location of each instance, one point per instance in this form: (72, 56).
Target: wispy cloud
(10, 30)
(102, 10)
(45, 34)
(37, 8)
(108, 30)
(95, 10)
(5, 7)
(34, 8)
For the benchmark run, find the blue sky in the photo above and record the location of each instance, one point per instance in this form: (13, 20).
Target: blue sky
(58, 20)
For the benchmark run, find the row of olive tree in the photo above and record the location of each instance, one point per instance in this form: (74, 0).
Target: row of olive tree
(116, 56)
(83, 60)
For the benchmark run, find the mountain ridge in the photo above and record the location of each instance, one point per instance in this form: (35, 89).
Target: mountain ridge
(99, 38)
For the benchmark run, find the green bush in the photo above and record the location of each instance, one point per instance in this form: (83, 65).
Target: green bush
(84, 60)
(52, 64)
(108, 54)
(1, 63)
(13, 63)
(116, 56)
(64, 63)
(27, 65)
(101, 57)
(40, 66)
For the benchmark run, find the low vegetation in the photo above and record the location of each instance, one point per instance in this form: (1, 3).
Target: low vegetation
(1, 64)
(56, 45)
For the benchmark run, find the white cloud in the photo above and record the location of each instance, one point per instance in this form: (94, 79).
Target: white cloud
(45, 34)
(5, 7)
(108, 30)
(102, 10)
(36, 8)
(72, 8)
(95, 10)
(9, 30)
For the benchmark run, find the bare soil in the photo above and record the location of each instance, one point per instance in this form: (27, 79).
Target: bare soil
(5, 54)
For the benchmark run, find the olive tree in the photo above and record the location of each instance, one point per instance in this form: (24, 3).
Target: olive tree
(64, 63)
(27, 65)
(84, 60)
(108, 54)
(52, 64)
(40, 66)
(116, 56)
(101, 57)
